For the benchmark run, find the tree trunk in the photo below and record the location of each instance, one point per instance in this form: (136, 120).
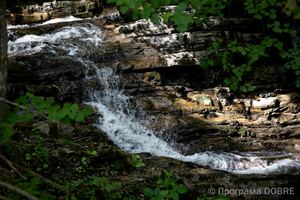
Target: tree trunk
(3, 55)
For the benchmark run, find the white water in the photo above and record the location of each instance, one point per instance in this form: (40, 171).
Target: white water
(70, 38)
(51, 21)
(126, 132)
(60, 20)
(117, 120)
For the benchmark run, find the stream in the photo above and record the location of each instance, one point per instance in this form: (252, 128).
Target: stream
(118, 117)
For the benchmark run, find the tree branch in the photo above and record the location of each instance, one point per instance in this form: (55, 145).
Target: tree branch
(9, 163)
(12, 103)
(3, 198)
(17, 190)
(21, 107)
(50, 182)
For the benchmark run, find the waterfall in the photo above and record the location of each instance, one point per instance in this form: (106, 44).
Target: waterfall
(118, 119)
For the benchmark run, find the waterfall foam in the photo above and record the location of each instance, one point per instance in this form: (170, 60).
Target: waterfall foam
(51, 21)
(118, 120)
(72, 39)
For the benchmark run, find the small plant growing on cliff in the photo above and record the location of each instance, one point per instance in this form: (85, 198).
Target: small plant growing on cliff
(67, 113)
(39, 156)
(28, 107)
(136, 161)
(166, 189)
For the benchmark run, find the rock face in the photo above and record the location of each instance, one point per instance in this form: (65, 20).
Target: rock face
(161, 74)
(159, 71)
(205, 181)
(160, 83)
(159, 62)
(27, 12)
(46, 75)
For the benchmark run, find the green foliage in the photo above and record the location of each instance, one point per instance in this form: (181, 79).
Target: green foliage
(33, 185)
(167, 188)
(263, 8)
(292, 9)
(31, 107)
(94, 188)
(182, 19)
(271, 11)
(85, 161)
(67, 113)
(39, 156)
(293, 57)
(236, 57)
(136, 161)
(181, 16)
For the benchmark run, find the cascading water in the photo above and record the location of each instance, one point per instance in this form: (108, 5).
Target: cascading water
(117, 118)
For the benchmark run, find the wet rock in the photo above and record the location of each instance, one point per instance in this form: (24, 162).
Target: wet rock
(264, 103)
(201, 99)
(46, 74)
(153, 103)
(189, 107)
(153, 78)
(201, 180)
(139, 57)
(43, 127)
(295, 108)
(243, 132)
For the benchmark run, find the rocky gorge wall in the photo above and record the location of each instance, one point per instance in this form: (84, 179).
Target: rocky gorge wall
(159, 70)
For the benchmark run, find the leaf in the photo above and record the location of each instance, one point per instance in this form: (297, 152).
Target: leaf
(182, 21)
(250, 88)
(279, 46)
(6, 133)
(196, 4)
(79, 117)
(166, 16)
(148, 192)
(181, 189)
(243, 88)
(73, 109)
(22, 100)
(174, 195)
(147, 11)
(155, 19)
(181, 7)
(158, 193)
(156, 3)
(210, 62)
(124, 9)
(56, 114)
